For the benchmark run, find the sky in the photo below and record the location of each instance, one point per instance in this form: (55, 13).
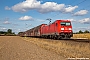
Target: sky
(22, 15)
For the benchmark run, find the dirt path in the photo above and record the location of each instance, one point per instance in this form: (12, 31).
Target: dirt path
(15, 48)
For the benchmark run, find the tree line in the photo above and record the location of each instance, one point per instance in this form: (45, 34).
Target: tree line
(81, 32)
(10, 33)
(7, 33)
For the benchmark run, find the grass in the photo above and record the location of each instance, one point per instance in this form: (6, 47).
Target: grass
(84, 35)
(64, 48)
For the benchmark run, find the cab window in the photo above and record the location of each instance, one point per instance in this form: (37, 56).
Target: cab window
(65, 23)
(68, 24)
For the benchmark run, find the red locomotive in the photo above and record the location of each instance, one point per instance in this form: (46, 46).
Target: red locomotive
(58, 30)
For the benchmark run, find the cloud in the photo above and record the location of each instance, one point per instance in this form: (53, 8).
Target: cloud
(70, 9)
(72, 20)
(42, 8)
(26, 5)
(3, 29)
(82, 21)
(26, 18)
(6, 22)
(81, 12)
(85, 21)
(7, 8)
(51, 7)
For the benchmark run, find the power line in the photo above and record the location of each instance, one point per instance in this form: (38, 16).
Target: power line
(81, 2)
(76, 4)
(73, 2)
(83, 9)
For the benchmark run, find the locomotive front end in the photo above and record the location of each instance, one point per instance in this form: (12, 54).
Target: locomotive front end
(65, 30)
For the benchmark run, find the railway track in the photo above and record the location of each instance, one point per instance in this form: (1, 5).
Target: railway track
(72, 39)
(78, 40)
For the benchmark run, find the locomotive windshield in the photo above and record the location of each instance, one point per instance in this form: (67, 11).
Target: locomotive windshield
(65, 23)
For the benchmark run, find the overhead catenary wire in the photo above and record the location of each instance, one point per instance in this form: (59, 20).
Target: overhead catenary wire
(82, 9)
(79, 9)
(59, 12)
(81, 2)
(76, 4)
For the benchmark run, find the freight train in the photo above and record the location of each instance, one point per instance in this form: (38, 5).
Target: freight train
(56, 30)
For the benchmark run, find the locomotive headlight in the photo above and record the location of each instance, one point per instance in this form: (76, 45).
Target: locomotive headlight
(70, 28)
(62, 28)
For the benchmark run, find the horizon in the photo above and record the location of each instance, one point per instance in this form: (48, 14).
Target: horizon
(22, 15)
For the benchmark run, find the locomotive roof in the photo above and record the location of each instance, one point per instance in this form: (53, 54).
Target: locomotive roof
(62, 20)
